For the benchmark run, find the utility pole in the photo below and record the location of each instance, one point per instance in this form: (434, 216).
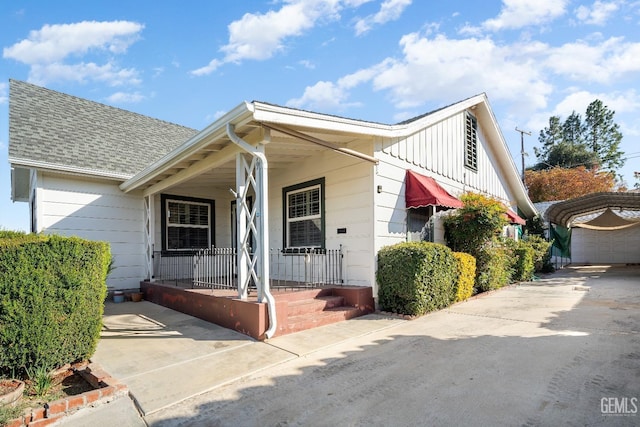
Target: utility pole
(522, 153)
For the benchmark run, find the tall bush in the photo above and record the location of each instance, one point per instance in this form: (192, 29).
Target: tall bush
(466, 275)
(416, 277)
(494, 266)
(476, 223)
(52, 292)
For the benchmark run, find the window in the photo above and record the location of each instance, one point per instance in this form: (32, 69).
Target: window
(420, 224)
(187, 223)
(304, 215)
(471, 142)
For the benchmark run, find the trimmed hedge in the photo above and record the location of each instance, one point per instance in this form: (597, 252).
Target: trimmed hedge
(466, 275)
(416, 277)
(52, 292)
(524, 262)
(493, 267)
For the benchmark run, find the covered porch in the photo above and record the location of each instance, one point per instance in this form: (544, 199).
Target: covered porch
(212, 247)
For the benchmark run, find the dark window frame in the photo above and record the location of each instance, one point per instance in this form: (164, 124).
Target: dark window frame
(163, 222)
(320, 182)
(471, 142)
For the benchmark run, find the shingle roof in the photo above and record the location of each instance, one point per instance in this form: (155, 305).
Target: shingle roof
(58, 129)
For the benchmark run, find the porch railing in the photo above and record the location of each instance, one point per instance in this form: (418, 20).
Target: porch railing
(216, 268)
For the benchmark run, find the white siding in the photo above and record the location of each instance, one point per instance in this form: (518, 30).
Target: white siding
(222, 215)
(348, 204)
(96, 210)
(605, 247)
(437, 151)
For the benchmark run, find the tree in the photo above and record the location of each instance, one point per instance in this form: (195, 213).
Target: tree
(549, 137)
(603, 136)
(564, 183)
(566, 155)
(594, 143)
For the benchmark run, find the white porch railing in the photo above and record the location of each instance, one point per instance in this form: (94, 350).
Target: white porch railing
(216, 268)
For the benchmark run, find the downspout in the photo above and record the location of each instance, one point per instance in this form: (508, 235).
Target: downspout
(263, 232)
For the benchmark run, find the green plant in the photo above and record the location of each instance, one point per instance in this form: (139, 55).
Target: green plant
(415, 277)
(52, 292)
(542, 253)
(8, 412)
(466, 274)
(41, 380)
(477, 222)
(524, 262)
(493, 267)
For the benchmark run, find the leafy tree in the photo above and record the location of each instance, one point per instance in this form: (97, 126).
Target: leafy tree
(564, 183)
(593, 143)
(603, 136)
(567, 155)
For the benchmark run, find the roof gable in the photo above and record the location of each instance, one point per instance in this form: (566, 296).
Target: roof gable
(53, 130)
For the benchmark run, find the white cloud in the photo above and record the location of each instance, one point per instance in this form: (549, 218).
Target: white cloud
(390, 10)
(602, 63)
(125, 98)
(598, 13)
(107, 73)
(577, 100)
(307, 64)
(259, 36)
(3, 93)
(521, 13)
(47, 49)
(321, 96)
(54, 43)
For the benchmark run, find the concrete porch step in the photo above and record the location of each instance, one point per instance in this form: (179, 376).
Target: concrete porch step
(301, 294)
(313, 320)
(315, 305)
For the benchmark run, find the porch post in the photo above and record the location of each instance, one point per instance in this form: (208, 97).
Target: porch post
(241, 228)
(149, 233)
(255, 175)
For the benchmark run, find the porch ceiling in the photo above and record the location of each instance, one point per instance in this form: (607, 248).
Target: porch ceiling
(214, 163)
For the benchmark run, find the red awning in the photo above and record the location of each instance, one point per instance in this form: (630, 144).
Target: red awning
(514, 218)
(422, 190)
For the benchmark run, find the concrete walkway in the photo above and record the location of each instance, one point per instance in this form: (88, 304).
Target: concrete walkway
(544, 353)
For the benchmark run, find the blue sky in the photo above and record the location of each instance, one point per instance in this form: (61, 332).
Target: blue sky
(188, 62)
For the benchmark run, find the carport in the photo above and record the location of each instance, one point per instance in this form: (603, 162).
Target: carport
(604, 227)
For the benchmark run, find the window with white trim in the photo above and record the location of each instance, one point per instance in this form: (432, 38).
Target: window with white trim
(187, 223)
(471, 142)
(304, 215)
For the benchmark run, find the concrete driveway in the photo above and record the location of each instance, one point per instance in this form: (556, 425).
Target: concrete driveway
(564, 350)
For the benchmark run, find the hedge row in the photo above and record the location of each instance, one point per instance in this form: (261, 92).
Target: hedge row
(52, 292)
(417, 277)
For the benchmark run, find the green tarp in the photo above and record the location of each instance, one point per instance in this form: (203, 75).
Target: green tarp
(561, 240)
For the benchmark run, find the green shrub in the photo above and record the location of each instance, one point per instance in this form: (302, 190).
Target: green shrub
(473, 225)
(466, 275)
(493, 267)
(416, 277)
(524, 262)
(542, 253)
(52, 292)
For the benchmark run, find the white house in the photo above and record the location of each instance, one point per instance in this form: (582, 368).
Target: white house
(279, 178)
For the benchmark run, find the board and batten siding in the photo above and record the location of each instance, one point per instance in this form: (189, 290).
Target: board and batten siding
(436, 151)
(348, 204)
(95, 210)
